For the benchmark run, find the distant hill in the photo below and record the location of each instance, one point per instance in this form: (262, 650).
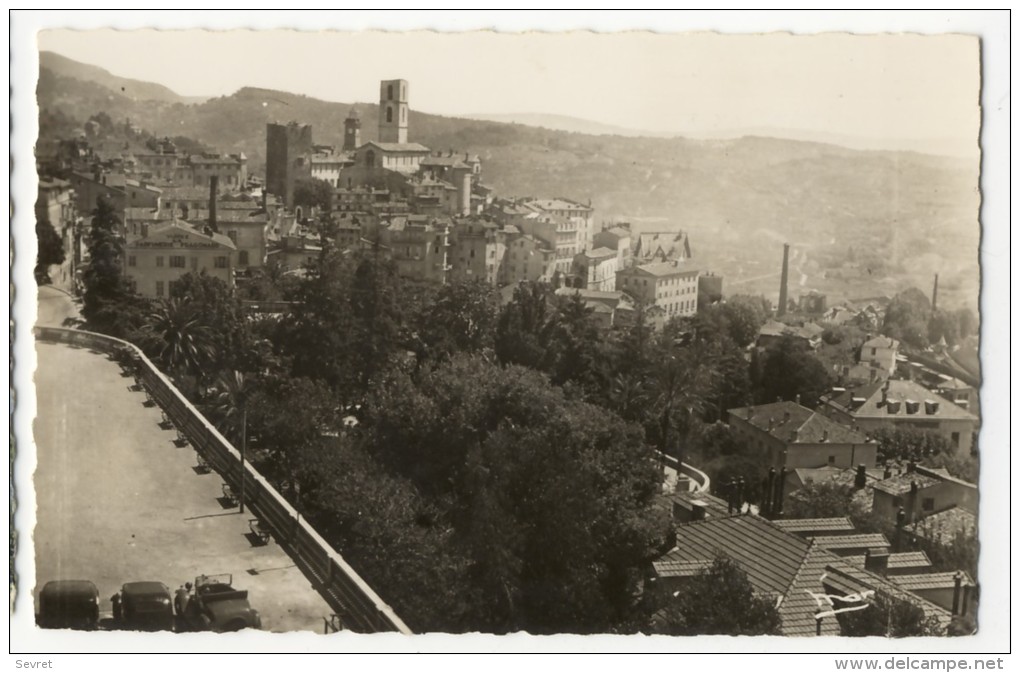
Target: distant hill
(862, 222)
(567, 123)
(131, 88)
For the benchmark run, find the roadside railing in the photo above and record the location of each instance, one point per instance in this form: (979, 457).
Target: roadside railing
(357, 606)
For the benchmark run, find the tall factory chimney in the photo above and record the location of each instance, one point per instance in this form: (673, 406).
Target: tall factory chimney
(783, 281)
(214, 183)
(935, 295)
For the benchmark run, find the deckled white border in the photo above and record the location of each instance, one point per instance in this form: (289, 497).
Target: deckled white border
(993, 27)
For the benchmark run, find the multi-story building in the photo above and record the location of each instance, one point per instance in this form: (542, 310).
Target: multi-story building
(477, 250)
(231, 170)
(573, 224)
(419, 246)
(790, 436)
(670, 286)
(880, 353)
(900, 404)
(56, 205)
(152, 263)
(120, 190)
(596, 269)
(527, 258)
(615, 238)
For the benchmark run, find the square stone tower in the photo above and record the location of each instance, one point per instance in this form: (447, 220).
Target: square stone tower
(393, 111)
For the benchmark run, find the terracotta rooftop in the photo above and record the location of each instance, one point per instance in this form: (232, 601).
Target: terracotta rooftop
(923, 581)
(835, 524)
(859, 541)
(900, 484)
(782, 419)
(945, 525)
(899, 391)
(776, 562)
(662, 269)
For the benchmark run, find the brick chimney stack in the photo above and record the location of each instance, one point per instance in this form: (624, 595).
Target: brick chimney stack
(214, 183)
(784, 280)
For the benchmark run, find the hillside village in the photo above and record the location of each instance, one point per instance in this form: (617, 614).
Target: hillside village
(823, 455)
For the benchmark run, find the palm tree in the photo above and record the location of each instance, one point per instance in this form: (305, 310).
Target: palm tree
(680, 385)
(228, 407)
(182, 344)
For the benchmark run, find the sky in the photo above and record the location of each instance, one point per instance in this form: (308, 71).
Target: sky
(895, 91)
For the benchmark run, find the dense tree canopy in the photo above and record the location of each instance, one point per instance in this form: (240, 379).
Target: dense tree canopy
(551, 496)
(51, 250)
(313, 193)
(789, 371)
(906, 318)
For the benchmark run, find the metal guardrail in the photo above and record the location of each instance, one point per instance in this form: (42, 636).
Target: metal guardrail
(358, 606)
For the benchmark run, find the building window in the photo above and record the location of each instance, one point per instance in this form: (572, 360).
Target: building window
(928, 504)
(242, 257)
(389, 92)
(832, 460)
(956, 439)
(176, 261)
(232, 235)
(159, 288)
(194, 263)
(220, 262)
(389, 114)
(131, 260)
(897, 501)
(159, 261)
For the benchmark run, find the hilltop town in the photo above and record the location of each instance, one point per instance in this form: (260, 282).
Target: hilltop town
(509, 413)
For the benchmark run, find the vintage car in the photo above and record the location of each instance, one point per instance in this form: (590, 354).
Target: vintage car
(69, 604)
(143, 606)
(213, 604)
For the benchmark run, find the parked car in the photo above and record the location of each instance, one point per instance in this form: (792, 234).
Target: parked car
(143, 606)
(213, 604)
(69, 604)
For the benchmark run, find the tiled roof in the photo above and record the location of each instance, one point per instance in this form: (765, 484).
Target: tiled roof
(909, 559)
(714, 505)
(900, 391)
(557, 204)
(600, 252)
(662, 269)
(923, 581)
(881, 342)
(137, 214)
(414, 148)
(847, 579)
(770, 557)
(448, 161)
(860, 541)
(838, 523)
(774, 328)
(788, 417)
(900, 484)
(944, 526)
(191, 229)
(681, 568)
(777, 562)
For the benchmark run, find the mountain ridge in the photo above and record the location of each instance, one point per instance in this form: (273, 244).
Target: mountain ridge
(907, 215)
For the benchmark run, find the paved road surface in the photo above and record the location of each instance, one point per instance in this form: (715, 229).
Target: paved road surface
(55, 307)
(118, 502)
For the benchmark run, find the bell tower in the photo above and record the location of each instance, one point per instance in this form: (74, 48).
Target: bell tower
(393, 111)
(352, 130)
